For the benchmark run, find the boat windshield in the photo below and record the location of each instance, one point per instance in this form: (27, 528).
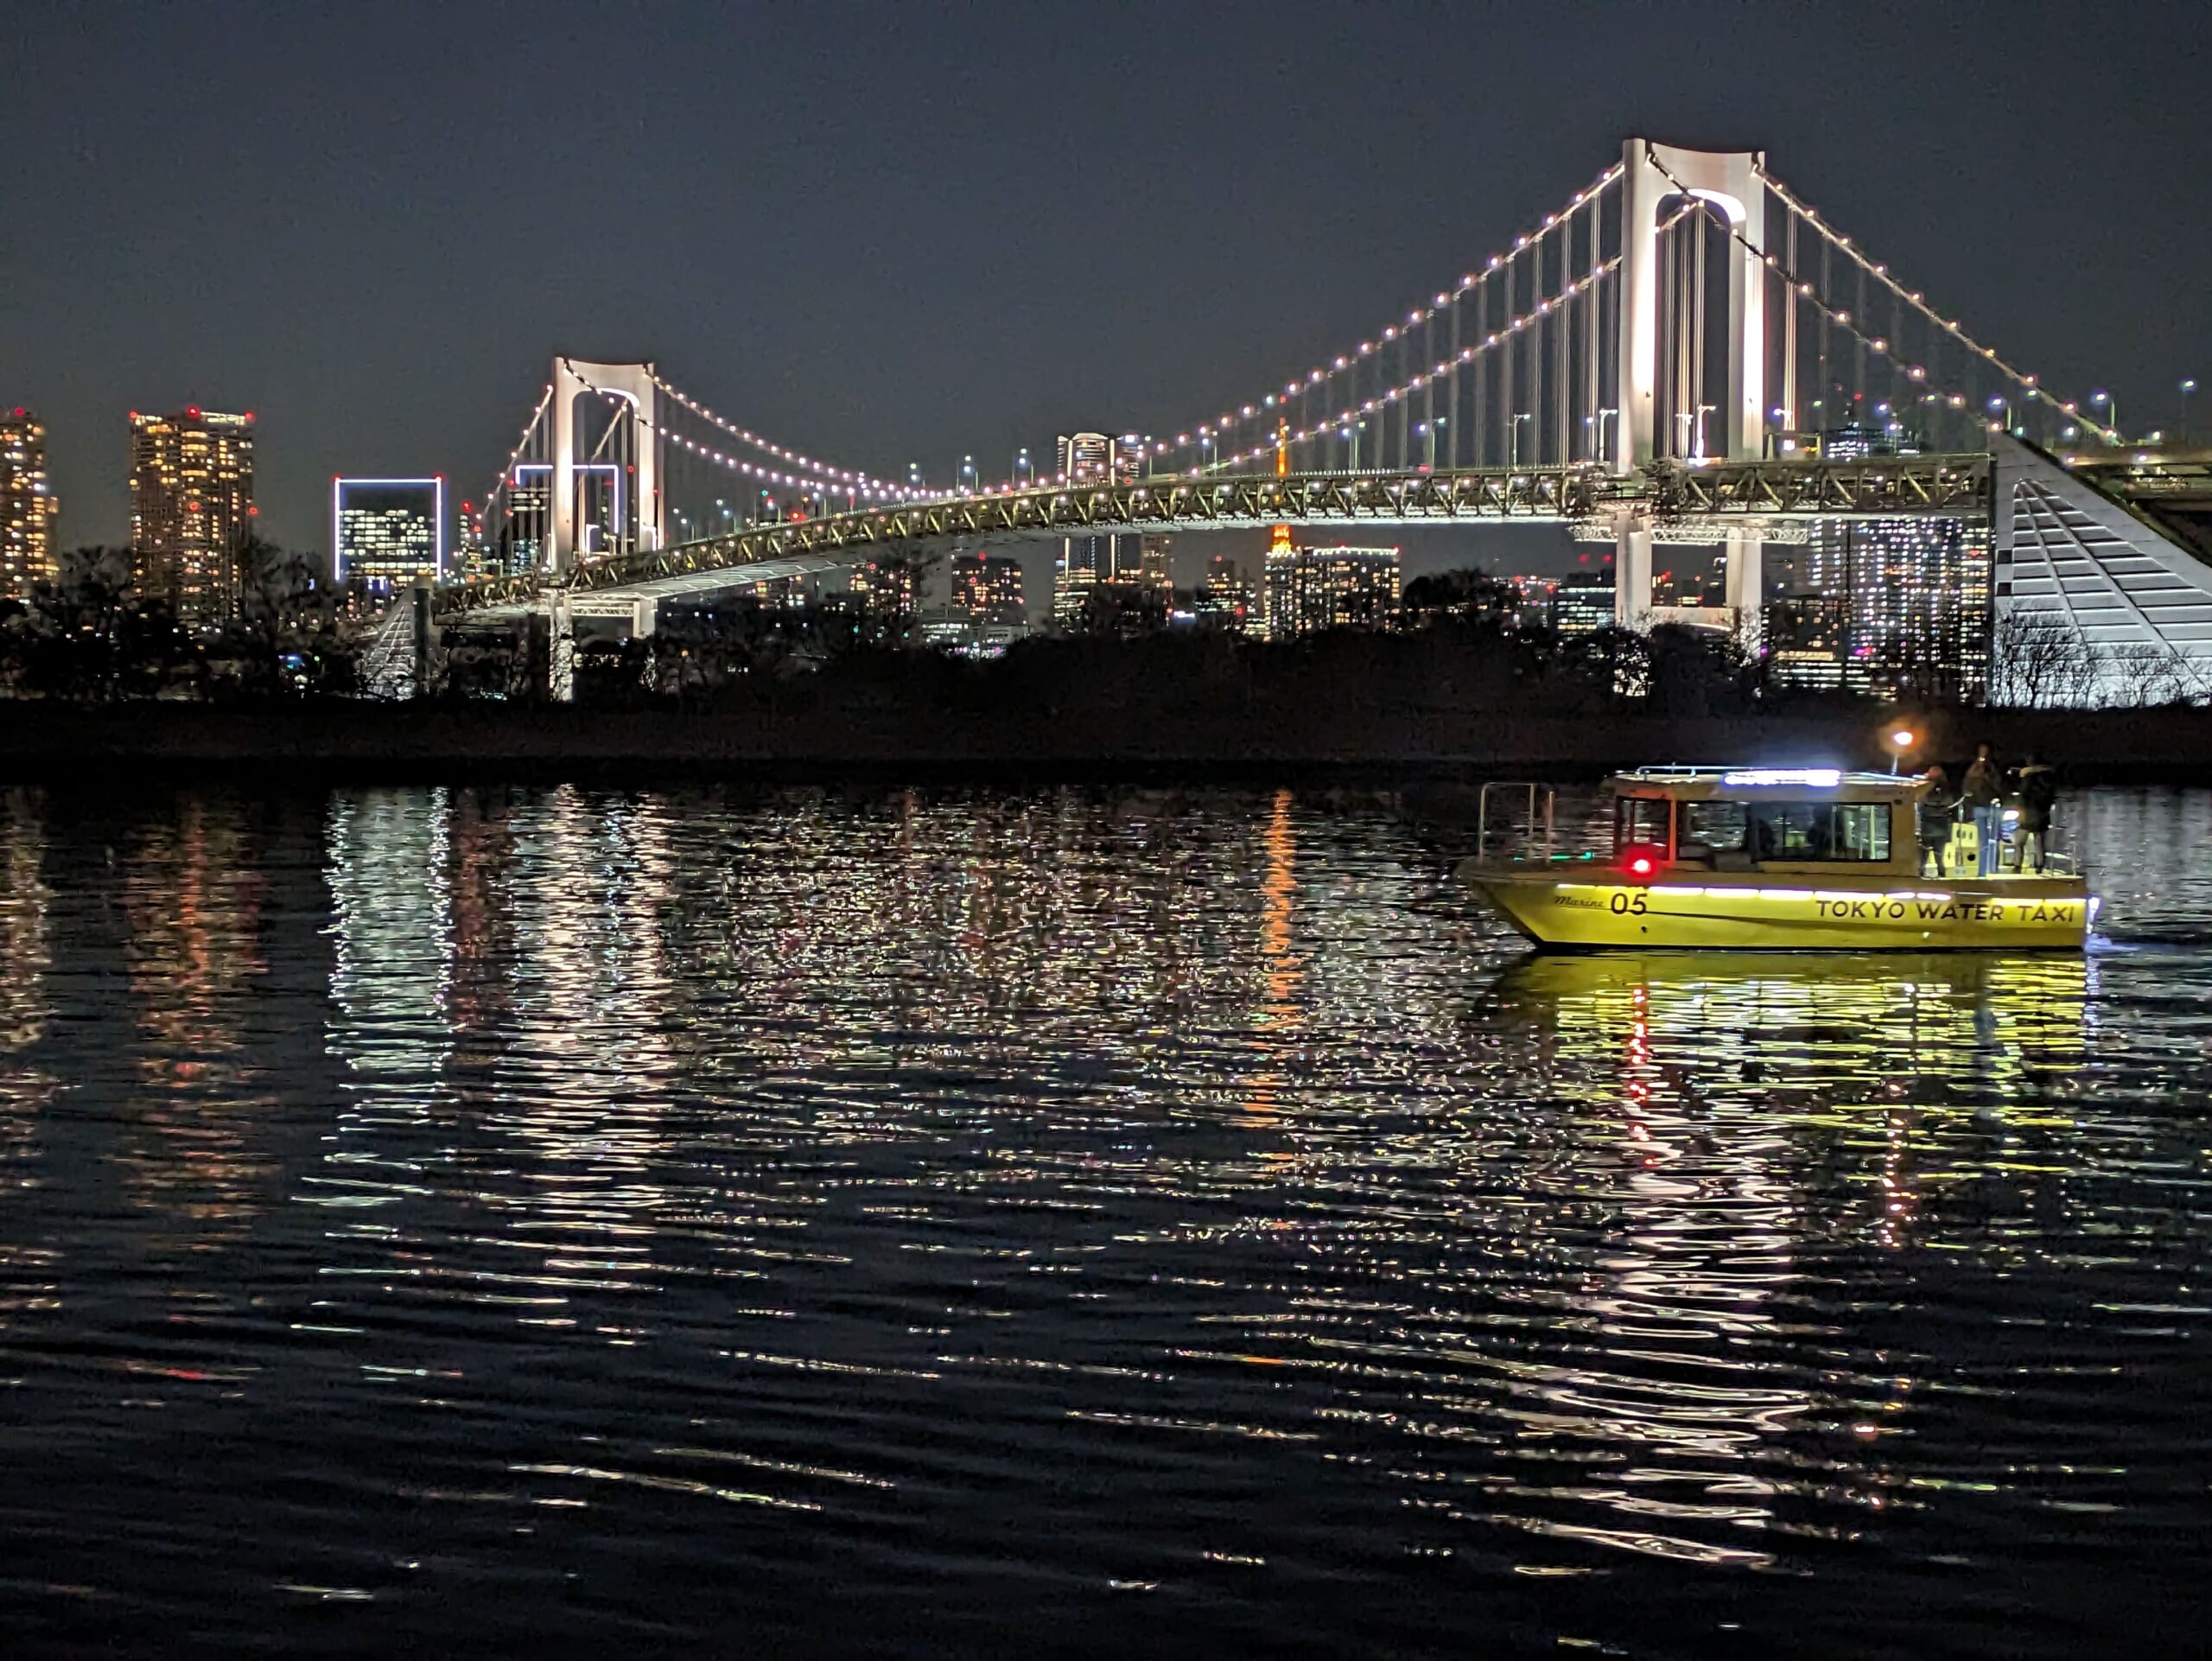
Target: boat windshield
(1853, 831)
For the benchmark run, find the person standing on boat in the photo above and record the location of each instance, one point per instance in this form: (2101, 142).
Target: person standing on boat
(2039, 788)
(1939, 812)
(1983, 790)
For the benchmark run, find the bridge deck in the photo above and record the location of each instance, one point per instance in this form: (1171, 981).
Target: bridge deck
(1729, 491)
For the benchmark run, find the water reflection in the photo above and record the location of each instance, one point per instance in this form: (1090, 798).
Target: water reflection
(26, 1088)
(1167, 1190)
(192, 888)
(1720, 1104)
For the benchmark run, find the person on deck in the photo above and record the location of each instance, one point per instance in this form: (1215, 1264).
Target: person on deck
(1983, 791)
(1939, 812)
(2038, 788)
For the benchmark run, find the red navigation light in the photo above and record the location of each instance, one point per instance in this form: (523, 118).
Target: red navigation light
(192, 411)
(1642, 860)
(249, 415)
(19, 412)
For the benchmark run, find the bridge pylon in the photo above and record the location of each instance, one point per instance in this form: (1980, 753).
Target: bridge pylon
(638, 385)
(1651, 174)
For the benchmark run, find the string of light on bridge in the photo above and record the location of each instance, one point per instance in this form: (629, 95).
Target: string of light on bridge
(872, 489)
(865, 483)
(1502, 336)
(1339, 422)
(769, 475)
(1418, 317)
(1842, 318)
(1918, 302)
(498, 488)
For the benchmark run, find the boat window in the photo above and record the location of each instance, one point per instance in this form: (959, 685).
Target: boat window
(1641, 820)
(1721, 826)
(1858, 831)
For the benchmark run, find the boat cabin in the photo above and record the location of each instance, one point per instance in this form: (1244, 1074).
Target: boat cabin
(1809, 820)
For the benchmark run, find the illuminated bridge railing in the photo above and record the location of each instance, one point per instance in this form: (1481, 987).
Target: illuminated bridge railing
(1785, 489)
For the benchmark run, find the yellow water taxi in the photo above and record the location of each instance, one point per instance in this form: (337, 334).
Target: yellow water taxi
(1764, 859)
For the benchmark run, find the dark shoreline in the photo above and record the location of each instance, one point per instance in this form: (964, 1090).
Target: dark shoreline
(322, 742)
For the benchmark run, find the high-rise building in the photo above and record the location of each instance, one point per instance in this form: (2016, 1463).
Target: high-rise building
(190, 509)
(987, 587)
(1916, 602)
(1309, 589)
(1583, 602)
(388, 531)
(1155, 563)
(888, 588)
(28, 507)
(1807, 638)
(1224, 599)
(1087, 458)
(1085, 561)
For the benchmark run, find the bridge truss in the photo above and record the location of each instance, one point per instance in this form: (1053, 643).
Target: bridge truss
(1737, 492)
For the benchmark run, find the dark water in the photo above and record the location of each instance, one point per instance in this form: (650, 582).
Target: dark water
(469, 1222)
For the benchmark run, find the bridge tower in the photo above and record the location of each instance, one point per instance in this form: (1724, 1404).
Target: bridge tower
(1653, 173)
(637, 385)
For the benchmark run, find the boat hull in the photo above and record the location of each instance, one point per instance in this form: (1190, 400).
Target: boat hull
(1770, 912)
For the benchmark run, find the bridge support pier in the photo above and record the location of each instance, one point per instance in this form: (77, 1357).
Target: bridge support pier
(1747, 586)
(561, 661)
(552, 635)
(1632, 573)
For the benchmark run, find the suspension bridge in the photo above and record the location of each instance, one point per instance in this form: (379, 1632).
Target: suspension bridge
(1686, 350)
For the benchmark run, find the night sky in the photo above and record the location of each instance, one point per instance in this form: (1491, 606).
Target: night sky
(885, 234)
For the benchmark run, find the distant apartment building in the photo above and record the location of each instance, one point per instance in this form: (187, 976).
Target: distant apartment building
(28, 507)
(1224, 600)
(388, 532)
(986, 589)
(1306, 591)
(1807, 638)
(781, 593)
(190, 509)
(1912, 601)
(1583, 602)
(888, 588)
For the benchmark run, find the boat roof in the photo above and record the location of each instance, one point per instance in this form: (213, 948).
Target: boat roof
(1753, 783)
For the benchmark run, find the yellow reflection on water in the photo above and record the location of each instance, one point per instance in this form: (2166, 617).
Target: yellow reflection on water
(1705, 1087)
(1810, 1031)
(1276, 1021)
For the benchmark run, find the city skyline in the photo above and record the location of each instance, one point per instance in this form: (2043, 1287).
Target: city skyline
(394, 367)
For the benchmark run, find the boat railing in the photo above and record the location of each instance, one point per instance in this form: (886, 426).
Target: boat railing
(1525, 826)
